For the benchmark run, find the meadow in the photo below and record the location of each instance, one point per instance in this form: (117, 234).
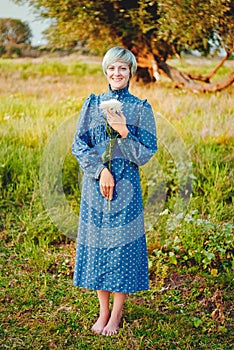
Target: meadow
(188, 198)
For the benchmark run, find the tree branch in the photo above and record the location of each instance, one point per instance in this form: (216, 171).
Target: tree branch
(206, 78)
(183, 80)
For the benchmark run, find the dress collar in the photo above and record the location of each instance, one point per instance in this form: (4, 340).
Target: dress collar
(117, 93)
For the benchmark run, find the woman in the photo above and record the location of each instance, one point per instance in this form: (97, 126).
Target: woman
(111, 245)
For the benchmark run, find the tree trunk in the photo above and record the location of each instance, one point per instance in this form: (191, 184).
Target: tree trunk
(149, 67)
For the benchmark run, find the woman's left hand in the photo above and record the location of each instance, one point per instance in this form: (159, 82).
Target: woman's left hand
(117, 122)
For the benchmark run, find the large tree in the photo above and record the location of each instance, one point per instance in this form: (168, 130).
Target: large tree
(153, 30)
(14, 31)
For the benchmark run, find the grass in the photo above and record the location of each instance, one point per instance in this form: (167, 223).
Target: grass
(188, 191)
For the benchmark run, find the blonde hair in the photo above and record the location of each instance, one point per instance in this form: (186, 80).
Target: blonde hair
(118, 53)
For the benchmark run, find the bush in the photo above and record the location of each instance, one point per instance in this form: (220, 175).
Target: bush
(14, 51)
(2, 50)
(198, 242)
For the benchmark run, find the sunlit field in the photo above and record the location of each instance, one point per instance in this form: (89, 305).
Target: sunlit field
(188, 197)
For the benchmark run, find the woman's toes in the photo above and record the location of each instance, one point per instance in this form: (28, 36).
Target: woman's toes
(110, 329)
(100, 324)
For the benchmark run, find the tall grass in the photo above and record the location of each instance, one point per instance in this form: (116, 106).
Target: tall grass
(188, 196)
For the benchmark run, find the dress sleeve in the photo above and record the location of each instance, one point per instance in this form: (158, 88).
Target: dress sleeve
(141, 143)
(88, 158)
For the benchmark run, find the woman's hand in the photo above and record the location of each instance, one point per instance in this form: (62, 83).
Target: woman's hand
(117, 122)
(106, 183)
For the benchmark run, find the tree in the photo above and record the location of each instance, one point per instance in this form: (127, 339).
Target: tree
(153, 30)
(14, 31)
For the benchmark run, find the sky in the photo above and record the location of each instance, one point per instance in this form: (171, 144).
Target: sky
(9, 9)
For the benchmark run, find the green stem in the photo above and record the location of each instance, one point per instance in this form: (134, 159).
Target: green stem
(107, 155)
(111, 151)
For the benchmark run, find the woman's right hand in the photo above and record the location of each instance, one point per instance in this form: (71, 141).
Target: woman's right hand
(106, 183)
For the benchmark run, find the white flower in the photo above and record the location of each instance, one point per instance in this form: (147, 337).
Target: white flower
(113, 104)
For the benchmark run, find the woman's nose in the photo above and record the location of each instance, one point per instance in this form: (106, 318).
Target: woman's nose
(117, 71)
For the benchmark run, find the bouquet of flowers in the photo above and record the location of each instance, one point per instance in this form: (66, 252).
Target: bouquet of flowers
(116, 106)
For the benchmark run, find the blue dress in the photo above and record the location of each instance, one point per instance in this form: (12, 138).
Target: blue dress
(111, 252)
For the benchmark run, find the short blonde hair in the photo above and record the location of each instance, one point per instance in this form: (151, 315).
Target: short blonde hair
(118, 53)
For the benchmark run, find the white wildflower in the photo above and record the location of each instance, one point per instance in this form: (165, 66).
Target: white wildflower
(113, 104)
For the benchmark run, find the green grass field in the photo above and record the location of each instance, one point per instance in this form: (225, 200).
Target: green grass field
(188, 196)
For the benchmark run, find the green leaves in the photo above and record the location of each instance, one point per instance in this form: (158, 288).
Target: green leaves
(195, 24)
(107, 155)
(199, 243)
(180, 25)
(14, 31)
(197, 322)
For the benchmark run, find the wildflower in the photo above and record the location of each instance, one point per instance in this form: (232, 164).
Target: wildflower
(113, 104)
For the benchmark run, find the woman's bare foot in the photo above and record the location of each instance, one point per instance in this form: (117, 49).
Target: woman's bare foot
(112, 326)
(100, 323)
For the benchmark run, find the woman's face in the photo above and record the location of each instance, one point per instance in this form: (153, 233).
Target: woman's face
(118, 74)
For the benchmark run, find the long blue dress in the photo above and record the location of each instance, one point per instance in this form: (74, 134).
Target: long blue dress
(111, 251)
